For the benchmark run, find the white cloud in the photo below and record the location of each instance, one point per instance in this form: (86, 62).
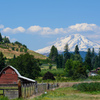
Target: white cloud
(77, 28)
(1, 26)
(83, 27)
(60, 30)
(34, 29)
(13, 31)
(19, 29)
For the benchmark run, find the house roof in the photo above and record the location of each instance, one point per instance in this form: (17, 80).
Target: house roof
(19, 75)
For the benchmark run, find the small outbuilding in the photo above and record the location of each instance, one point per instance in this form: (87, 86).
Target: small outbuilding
(10, 75)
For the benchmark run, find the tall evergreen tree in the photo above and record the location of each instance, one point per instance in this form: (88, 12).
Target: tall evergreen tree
(60, 61)
(77, 55)
(99, 58)
(1, 38)
(76, 49)
(6, 40)
(96, 64)
(2, 61)
(66, 53)
(88, 59)
(93, 58)
(53, 54)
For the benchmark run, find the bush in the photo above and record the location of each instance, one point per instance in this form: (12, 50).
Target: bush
(90, 87)
(21, 49)
(16, 49)
(13, 48)
(48, 75)
(95, 77)
(25, 50)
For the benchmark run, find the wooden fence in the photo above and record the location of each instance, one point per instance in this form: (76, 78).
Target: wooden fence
(25, 90)
(33, 89)
(9, 90)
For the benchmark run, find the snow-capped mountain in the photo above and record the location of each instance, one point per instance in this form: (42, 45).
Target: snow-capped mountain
(72, 40)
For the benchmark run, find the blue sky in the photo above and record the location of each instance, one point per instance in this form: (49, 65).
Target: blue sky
(37, 23)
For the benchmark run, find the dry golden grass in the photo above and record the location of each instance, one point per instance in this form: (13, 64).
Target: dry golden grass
(9, 53)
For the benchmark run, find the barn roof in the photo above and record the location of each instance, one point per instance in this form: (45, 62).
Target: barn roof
(19, 75)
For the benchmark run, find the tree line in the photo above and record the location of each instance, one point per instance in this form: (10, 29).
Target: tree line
(73, 64)
(26, 64)
(6, 40)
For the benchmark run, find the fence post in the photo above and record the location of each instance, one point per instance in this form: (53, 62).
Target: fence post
(19, 89)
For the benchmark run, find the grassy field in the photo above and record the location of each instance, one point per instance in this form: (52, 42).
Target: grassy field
(54, 70)
(68, 93)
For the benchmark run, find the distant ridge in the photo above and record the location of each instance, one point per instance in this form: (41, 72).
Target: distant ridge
(72, 40)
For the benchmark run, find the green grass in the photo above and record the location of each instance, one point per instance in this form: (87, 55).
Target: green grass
(54, 70)
(67, 93)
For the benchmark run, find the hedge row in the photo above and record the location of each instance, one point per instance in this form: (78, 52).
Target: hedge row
(90, 87)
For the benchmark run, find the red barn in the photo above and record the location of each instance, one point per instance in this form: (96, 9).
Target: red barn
(10, 75)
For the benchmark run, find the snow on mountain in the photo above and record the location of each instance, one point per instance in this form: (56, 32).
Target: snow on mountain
(72, 40)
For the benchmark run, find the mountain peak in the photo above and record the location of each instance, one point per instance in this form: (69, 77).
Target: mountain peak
(72, 40)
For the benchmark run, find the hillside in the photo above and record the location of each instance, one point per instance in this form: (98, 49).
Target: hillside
(11, 49)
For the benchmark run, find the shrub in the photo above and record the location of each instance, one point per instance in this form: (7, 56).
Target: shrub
(48, 75)
(90, 87)
(21, 49)
(16, 49)
(95, 77)
(25, 50)
(13, 48)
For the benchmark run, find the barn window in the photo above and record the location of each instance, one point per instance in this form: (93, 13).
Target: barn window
(13, 72)
(4, 72)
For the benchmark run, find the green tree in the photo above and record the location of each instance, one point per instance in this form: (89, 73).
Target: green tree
(27, 65)
(60, 61)
(76, 56)
(1, 38)
(93, 58)
(80, 72)
(53, 54)
(99, 58)
(50, 66)
(6, 40)
(2, 61)
(75, 69)
(66, 53)
(69, 68)
(88, 59)
(96, 64)
(76, 49)
(14, 57)
(21, 49)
